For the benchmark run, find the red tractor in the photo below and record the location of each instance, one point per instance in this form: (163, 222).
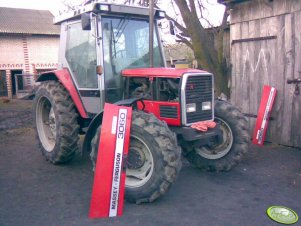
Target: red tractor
(104, 57)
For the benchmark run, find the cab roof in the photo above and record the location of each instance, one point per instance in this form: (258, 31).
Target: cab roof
(107, 9)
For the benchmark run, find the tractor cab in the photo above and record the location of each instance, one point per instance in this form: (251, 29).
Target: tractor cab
(99, 41)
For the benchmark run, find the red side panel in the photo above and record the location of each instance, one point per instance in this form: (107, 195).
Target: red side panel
(264, 112)
(109, 179)
(65, 78)
(154, 107)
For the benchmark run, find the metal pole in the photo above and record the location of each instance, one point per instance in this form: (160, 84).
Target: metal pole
(151, 33)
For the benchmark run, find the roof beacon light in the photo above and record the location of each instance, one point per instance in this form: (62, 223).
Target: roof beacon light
(161, 14)
(104, 7)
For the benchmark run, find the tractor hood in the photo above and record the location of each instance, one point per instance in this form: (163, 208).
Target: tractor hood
(159, 72)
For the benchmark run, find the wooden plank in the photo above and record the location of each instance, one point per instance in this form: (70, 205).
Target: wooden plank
(232, 78)
(260, 62)
(237, 71)
(277, 113)
(295, 5)
(273, 74)
(296, 107)
(254, 10)
(266, 9)
(272, 27)
(286, 138)
(249, 70)
(252, 29)
(234, 31)
(245, 77)
(245, 9)
(252, 99)
(235, 14)
(235, 61)
(244, 30)
(280, 7)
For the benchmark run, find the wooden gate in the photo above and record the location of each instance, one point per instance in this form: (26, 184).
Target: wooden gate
(267, 51)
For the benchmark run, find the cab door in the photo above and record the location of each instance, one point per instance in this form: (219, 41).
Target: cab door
(82, 56)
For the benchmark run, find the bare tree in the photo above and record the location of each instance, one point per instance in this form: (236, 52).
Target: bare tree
(207, 44)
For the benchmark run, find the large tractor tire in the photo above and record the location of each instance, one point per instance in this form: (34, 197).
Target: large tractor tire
(224, 156)
(56, 122)
(154, 159)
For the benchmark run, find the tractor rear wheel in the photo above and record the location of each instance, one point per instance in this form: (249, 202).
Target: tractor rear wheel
(154, 159)
(224, 156)
(56, 122)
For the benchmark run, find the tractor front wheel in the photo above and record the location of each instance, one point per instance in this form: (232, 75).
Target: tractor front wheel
(225, 155)
(56, 122)
(154, 159)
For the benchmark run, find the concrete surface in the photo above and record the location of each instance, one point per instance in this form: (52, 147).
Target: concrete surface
(34, 192)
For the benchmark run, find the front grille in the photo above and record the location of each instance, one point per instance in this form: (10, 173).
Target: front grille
(198, 89)
(168, 112)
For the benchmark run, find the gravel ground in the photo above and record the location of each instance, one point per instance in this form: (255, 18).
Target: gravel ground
(34, 192)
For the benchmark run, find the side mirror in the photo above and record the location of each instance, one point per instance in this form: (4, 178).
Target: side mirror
(86, 21)
(172, 28)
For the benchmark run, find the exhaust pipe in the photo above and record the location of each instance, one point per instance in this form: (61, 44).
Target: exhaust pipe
(151, 33)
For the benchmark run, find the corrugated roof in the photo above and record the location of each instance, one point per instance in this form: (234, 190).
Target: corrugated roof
(27, 21)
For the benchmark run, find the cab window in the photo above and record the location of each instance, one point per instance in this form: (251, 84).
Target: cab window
(81, 56)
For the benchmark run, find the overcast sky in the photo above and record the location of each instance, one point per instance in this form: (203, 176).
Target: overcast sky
(215, 10)
(52, 5)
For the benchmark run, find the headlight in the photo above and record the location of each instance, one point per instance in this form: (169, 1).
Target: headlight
(206, 106)
(190, 107)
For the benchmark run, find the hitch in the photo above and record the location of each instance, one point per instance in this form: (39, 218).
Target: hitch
(297, 82)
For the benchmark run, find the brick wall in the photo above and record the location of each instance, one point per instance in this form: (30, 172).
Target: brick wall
(43, 49)
(11, 51)
(27, 53)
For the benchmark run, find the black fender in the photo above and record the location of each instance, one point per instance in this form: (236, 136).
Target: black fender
(50, 75)
(97, 121)
(94, 124)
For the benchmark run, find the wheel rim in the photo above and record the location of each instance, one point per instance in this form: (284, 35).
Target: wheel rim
(140, 163)
(222, 149)
(46, 123)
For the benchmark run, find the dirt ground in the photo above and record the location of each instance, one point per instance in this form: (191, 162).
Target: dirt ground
(34, 192)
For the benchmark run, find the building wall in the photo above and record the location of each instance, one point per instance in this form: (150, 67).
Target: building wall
(29, 53)
(43, 51)
(266, 50)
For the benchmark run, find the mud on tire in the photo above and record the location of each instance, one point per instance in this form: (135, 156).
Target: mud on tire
(56, 122)
(225, 156)
(154, 160)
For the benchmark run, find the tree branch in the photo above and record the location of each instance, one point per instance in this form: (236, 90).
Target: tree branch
(185, 41)
(178, 25)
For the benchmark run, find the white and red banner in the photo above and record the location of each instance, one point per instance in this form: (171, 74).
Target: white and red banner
(264, 112)
(109, 178)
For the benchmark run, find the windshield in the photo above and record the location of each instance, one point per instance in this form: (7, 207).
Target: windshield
(125, 45)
